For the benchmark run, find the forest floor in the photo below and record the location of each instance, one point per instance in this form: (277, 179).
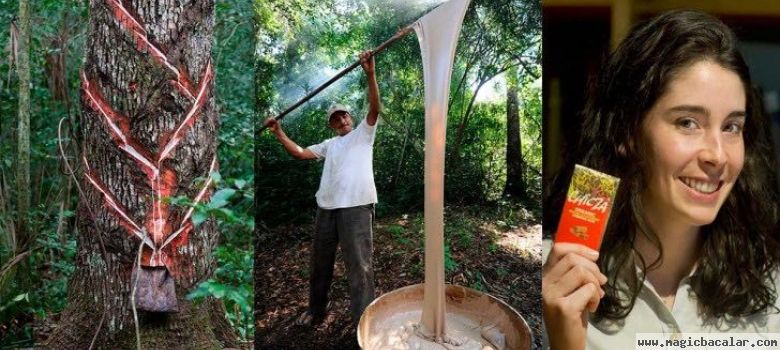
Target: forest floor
(484, 253)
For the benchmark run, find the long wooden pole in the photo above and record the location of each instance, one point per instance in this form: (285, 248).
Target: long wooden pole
(401, 33)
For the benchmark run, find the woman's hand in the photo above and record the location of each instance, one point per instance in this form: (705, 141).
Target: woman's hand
(571, 285)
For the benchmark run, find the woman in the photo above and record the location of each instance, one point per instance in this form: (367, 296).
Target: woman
(690, 246)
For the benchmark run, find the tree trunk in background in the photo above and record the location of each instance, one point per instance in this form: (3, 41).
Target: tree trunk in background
(142, 60)
(23, 131)
(515, 174)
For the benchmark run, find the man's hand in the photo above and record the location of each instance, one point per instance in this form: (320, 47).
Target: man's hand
(289, 145)
(367, 61)
(273, 125)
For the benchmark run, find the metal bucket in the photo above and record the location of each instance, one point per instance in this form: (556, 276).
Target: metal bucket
(461, 301)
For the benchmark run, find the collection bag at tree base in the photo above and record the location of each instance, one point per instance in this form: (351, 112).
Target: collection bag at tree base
(155, 290)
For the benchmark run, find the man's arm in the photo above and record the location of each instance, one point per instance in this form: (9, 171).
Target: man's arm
(289, 145)
(367, 61)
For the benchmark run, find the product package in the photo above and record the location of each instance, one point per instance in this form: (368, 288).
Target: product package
(588, 205)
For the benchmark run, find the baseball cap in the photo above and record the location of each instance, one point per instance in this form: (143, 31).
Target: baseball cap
(337, 108)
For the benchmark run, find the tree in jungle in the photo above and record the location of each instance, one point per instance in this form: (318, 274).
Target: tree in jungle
(19, 237)
(23, 161)
(501, 35)
(515, 174)
(149, 124)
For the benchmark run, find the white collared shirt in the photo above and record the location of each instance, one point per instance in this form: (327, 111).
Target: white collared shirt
(650, 315)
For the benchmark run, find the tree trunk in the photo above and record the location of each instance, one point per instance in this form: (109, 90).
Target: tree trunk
(515, 174)
(23, 131)
(455, 153)
(149, 128)
(21, 238)
(401, 158)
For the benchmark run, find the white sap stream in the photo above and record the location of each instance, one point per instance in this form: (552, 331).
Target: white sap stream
(438, 34)
(433, 327)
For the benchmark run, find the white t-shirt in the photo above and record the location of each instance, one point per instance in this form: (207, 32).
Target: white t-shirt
(348, 175)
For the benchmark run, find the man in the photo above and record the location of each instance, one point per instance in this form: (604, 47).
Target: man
(346, 199)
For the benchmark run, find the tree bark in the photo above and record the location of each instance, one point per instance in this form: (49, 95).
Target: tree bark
(149, 124)
(23, 131)
(515, 174)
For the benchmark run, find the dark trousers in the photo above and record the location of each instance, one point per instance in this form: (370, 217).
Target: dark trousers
(352, 229)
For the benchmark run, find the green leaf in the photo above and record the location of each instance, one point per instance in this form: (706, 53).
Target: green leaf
(20, 297)
(217, 290)
(198, 293)
(221, 198)
(216, 176)
(198, 217)
(226, 215)
(16, 299)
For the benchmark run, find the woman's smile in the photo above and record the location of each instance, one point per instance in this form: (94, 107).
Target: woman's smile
(702, 186)
(705, 191)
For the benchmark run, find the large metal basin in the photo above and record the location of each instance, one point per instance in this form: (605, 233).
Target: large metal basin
(461, 302)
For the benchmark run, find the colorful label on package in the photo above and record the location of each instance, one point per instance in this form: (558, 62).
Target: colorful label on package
(587, 207)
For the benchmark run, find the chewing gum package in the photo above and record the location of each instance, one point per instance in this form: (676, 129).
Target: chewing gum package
(588, 204)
